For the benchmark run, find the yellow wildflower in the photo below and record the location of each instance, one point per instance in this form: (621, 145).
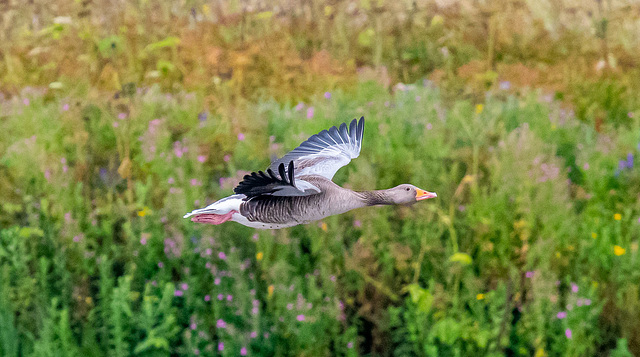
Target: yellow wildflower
(145, 211)
(480, 296)
(540, 352)
(479, 108)
(323, 226)
(270, 290)
(259, 256)
(594, 235)
(618, 250)
(88, 300)
(617, 216)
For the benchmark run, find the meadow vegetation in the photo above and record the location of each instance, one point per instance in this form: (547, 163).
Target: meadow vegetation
(119, 117)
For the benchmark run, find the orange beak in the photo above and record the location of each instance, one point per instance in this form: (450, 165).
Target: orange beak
(423, 195)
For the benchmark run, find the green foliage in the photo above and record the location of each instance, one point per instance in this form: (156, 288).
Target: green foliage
(529, 249)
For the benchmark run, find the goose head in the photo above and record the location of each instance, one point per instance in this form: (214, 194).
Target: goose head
(408, 194)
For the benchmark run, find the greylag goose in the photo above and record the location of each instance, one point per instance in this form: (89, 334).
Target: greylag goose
(297, 188)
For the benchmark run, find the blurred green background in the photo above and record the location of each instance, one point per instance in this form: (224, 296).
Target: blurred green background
(117, 117)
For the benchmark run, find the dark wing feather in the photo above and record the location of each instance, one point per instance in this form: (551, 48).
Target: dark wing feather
(259, 183)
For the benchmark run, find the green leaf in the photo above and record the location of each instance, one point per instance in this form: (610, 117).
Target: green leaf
(110, 46)
(264, 15)
(26, 232)
(365, 38)
(462, 258)
(170, 41)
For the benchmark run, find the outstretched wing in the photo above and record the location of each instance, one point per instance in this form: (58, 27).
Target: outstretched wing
(326, 152)
(259, 183)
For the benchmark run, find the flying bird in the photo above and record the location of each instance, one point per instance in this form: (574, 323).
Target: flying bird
(297, 188)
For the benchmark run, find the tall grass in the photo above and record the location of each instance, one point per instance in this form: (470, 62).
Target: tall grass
(531, 247)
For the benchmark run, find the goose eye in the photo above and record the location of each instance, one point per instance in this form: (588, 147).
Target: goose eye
(407, 189)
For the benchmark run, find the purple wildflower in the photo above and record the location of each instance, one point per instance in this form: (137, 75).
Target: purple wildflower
(327, 95)
(561, 315)
(25, 101)
(240, 137)
(220, 346)
(310, 111)
(505, 85)
(350, 345)
(202, 116)
(65, 107)
(220, 297)
(184, 286)
(568, 333)
(300, 317)
(207, 297)
(222, 256)
(243, 351)
(177, 148)
(574, 287)
(530, 274)
(178, 293)
(299, 107)
(221, 324)
(253, 334)
(160, 265)
(202, 158)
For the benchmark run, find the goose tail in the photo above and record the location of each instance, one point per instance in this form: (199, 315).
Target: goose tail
(222, 206)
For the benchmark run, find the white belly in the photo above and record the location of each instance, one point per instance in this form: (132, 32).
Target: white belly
(237, 217)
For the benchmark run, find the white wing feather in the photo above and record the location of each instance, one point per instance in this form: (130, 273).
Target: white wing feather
(326, 152)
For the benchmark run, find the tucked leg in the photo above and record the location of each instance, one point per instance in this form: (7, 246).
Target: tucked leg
(210, 218)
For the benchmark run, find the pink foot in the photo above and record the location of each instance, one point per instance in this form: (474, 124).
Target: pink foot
(211, 218)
